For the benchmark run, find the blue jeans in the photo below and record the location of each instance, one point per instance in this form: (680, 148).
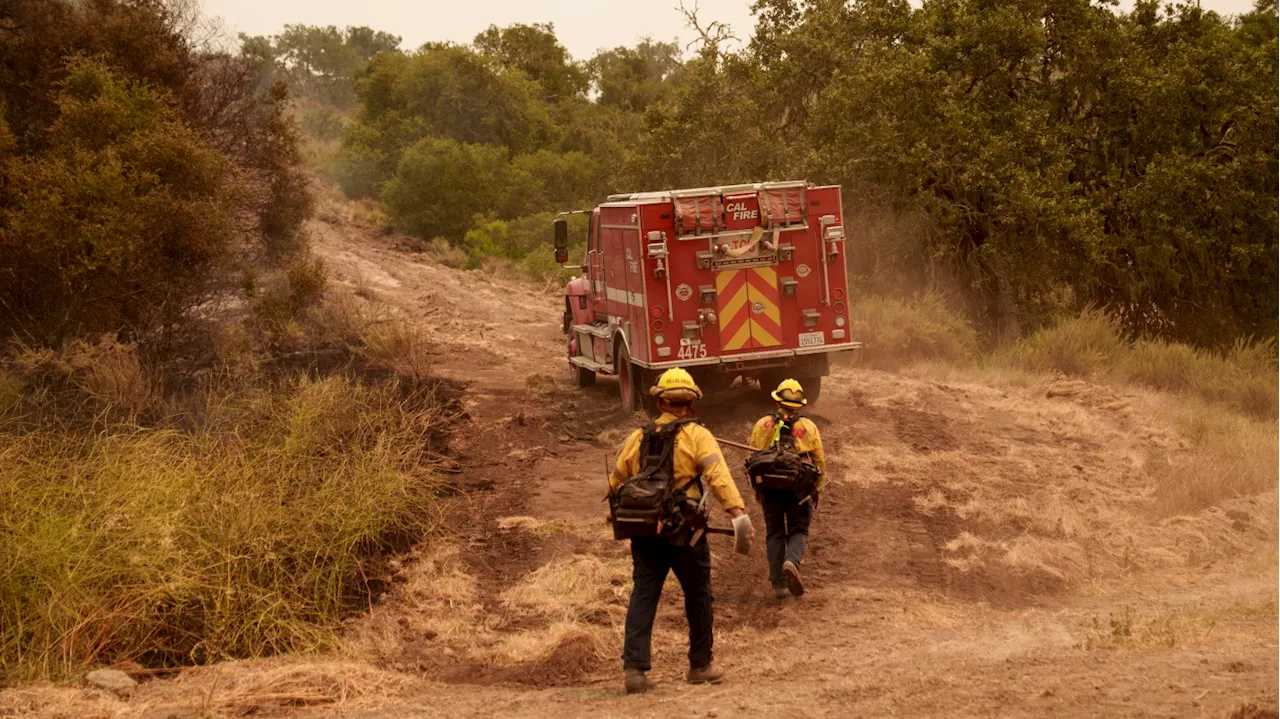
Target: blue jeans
(786, 523)
(651, 559)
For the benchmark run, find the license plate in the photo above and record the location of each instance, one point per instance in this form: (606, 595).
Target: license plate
(812, 339)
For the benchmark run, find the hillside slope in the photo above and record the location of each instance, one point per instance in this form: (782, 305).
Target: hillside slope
(988, 548)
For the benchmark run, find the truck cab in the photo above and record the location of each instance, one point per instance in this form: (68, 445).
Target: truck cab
(735, 281)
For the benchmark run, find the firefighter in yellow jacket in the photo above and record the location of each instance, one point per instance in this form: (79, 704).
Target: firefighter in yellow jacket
(787, 513)
(696, 455)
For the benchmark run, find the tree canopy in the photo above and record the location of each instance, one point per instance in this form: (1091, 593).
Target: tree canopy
(1029, 157)
(140, 171)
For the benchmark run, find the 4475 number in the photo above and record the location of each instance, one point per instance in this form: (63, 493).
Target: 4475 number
(687, 352)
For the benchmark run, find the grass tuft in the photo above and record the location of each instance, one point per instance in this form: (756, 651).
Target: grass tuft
(1082, 347)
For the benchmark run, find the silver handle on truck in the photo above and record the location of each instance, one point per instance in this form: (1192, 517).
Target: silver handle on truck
(658, 250)
(822, 250)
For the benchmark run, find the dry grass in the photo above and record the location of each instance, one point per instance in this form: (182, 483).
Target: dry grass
(397, 346)
(502, 268)
(336, 684)
(572, 590)
(252, 534)
(107, 375)
(1077, 484)
(898, 333)
(580, 599)
(1126, 627)
(1087, 345)
(1244, 377)
(1139, 628)
(1223, 455)
(446, 253)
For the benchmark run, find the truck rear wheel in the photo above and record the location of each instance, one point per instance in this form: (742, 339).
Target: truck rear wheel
(812, 388)
(644, 379)
(626, 379)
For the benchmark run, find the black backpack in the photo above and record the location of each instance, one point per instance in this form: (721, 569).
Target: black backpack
(781, 466)
(647, 504)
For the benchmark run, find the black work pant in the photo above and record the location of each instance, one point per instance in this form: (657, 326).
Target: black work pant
(786, 523)
(651, 559)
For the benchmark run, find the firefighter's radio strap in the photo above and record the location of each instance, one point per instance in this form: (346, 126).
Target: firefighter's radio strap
(648, 504)
(781, 465)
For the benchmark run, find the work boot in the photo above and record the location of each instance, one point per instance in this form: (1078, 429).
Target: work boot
(781, 593)
(637, 682)
(710, 674)
(792, 573)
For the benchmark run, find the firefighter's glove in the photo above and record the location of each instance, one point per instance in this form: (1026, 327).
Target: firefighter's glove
(743, 534)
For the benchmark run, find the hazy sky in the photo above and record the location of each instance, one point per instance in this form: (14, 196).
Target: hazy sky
(584, 26)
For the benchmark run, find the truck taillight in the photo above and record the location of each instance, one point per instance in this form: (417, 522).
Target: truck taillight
(657, 311)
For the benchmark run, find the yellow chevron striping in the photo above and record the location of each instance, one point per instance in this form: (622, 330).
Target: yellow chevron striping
(771, 310)
(733, 307)
(753, 330)
(768, 301)
(724, 278)
(740, 339)
(763, 338)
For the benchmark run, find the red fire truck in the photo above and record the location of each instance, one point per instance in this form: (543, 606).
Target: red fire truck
(743, 280)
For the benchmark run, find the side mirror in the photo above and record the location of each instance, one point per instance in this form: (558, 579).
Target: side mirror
(562, 233)
(561, 226)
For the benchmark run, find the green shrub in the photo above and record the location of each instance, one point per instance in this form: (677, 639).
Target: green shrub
(126, 206)
(441, 184)
(540, 266)
(544, 180)
(361, 166)
(513, 239)
(255, 534)
(898, 332)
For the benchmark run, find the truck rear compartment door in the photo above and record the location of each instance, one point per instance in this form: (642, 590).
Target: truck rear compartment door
(748, 309)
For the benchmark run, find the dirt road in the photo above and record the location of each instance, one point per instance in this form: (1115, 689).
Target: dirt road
(988, 549)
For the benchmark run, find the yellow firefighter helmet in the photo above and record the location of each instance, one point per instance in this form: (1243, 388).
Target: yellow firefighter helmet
(790, 394)
(676, 385)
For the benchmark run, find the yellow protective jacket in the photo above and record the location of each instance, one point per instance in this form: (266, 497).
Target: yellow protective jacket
(808, 441)
(696, 453)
